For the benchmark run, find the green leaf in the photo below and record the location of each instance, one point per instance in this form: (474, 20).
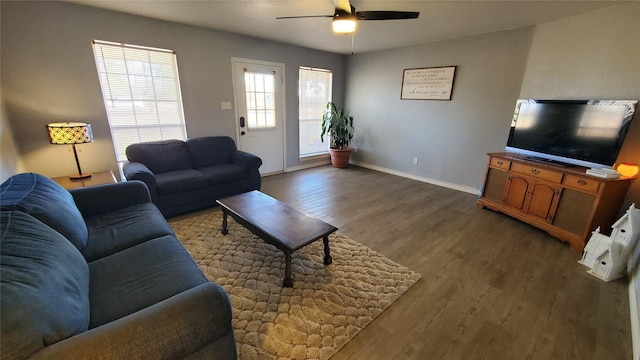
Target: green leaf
(337, 125)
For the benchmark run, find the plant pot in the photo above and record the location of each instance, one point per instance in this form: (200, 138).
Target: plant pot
(340, 157)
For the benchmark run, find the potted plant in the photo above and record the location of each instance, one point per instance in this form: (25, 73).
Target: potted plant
(339, 126)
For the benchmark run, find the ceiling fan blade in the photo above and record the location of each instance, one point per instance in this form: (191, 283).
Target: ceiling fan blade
(343, 5)
(304, 16)
(386, 15)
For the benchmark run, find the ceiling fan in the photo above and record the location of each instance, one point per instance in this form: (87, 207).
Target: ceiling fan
(345, 16)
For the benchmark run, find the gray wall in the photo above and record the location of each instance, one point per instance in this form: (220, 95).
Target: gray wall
(449, 138)
(597, 57)
(10, 162)
(594, 55)
(49, 74)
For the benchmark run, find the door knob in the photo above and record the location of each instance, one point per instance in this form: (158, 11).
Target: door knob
(242, 122)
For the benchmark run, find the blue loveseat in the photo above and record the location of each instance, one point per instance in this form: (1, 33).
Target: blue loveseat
(97, 273)
(184, 176)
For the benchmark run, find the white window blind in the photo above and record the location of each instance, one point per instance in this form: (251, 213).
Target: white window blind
(314, 94)
(141, 93)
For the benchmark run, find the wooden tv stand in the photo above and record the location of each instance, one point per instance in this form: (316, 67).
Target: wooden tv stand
(563, 201)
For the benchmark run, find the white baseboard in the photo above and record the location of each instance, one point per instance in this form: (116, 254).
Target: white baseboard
(462, 188)
(327, 161)
(634, 312)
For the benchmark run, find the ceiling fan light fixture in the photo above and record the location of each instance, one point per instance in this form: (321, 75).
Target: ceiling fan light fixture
(345, 16)
(344, 25)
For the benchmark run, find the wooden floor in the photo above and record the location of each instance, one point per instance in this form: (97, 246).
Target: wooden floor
(492, 287)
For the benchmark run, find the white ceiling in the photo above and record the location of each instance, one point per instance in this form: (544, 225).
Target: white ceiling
(439, 20)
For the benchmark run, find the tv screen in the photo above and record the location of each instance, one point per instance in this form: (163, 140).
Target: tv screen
(586, 133)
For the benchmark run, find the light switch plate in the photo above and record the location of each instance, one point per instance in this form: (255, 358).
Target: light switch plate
(225, 105)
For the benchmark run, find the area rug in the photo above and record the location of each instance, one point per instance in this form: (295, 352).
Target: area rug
(327, 305)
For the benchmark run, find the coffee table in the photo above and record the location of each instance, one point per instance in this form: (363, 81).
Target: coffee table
(277, 224)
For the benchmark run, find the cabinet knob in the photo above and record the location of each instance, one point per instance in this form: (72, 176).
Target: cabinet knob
(582, 182)
(500, 162)
(535, 171)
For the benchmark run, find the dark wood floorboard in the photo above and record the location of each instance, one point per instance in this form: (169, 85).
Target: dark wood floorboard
(492, 287)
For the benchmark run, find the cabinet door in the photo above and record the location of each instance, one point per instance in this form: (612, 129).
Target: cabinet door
(544, 198)
(516, 192)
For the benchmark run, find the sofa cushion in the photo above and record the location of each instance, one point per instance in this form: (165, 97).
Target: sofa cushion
(180, 181)
(224, 173)
(45, 286)
(138, 277)
(211, 150)
(188, 201)
(161, 156)
(121, 229)
(48, 202)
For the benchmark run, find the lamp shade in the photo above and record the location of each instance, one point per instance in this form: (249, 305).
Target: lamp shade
(69, 133)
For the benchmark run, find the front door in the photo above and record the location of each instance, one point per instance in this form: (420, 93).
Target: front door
(258, 91)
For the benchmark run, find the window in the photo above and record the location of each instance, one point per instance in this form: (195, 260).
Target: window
(261, 108)
(141, 93)
(314, 94)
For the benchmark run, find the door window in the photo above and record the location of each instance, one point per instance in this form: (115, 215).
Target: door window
(260, 95)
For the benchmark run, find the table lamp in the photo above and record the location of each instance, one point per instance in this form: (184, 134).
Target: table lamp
(71, 133)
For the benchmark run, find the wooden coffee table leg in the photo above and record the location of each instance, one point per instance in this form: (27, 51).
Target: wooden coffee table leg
(288, 281)
(224, 223)
(327, 253)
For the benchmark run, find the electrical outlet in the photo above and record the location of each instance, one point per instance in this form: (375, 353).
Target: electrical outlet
(225, 105)
(355, 149)
(415, 161)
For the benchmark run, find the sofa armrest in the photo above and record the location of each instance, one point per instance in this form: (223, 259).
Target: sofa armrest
(171, 329)
(138, 171)
(247, 160)
(101, 199)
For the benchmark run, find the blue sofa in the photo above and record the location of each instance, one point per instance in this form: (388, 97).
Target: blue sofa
(184, 176)
(97, 273)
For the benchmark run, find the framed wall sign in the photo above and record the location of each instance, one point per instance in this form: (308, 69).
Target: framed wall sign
(433, 83)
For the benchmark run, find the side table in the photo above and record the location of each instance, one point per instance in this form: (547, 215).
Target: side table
(98, 178)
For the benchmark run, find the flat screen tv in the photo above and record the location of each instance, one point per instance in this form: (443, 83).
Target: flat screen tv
(585, 133)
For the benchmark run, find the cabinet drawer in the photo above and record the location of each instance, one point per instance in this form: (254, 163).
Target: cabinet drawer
(581, 183)
(500, 163)
(537, 172)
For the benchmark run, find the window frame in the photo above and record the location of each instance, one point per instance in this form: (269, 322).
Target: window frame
(162, 108)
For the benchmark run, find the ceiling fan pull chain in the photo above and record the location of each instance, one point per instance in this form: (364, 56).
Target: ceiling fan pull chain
(353, 39)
